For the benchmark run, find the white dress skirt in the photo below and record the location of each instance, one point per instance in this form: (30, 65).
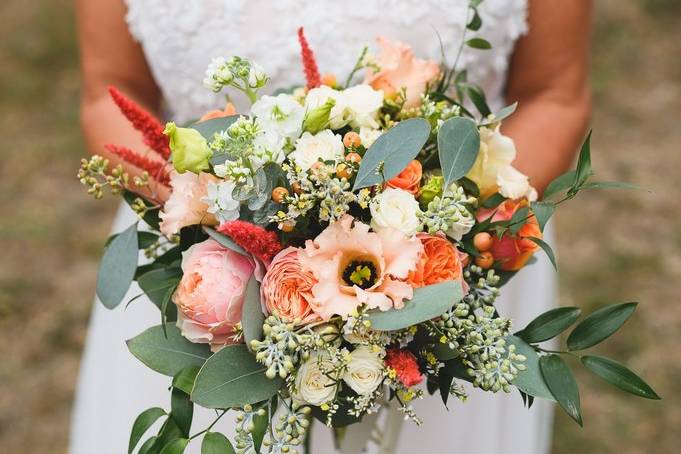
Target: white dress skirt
(179, 38)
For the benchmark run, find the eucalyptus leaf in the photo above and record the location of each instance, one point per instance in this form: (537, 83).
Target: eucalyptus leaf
(252, 317)
(549, 324)
(562, 383)
(458, 144)
(233, 378)
(225, 241)
(503, 113)
(546, 247)
(599, 325)
(543, 212)
(392, 152)
(618, 375)
(216, 443)
(167, 355)
(209, 128)
(142, 423)
(530, 381)
(117, 270)
(427, 303)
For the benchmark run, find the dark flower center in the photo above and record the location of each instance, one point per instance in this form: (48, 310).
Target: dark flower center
(361, 273)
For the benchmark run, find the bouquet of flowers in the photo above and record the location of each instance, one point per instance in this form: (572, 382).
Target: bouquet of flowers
(338, 249)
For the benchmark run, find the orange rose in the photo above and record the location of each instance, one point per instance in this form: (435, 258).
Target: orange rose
(440, 262)
(211, 114)
(513, 251)
(400, 69)
(409, 179)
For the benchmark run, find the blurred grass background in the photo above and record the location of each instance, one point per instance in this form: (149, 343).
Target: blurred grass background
(612, 245)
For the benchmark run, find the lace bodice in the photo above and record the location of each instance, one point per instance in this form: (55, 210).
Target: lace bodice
(180, 37)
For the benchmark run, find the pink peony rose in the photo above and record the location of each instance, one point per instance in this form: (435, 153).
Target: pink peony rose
(287, 288)
(184, 207)
(354, 266)
(210, 295)
(398, 68)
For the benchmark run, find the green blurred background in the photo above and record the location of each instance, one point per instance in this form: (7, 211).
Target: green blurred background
(612, 245)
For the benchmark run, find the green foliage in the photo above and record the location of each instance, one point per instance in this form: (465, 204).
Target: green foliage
(216, 443)
(117, 269)
(479, 43)
(209, 128)
(562, 383)
(618, 375)
(181, 410)
(159, 284)
(503, 113)
(549, 324)
(252, 317)
(560, 184)
(546, 247)
(543, 212)
(531, 380)
(477, 97)
(458, 143)
(392, 152)
(233, 378)
(583, 171)
(142, 423)
(151, 215)
(184, 379)
(177, 446)
(599, 325)
(428, 302)
(167, 355)
(224, 240)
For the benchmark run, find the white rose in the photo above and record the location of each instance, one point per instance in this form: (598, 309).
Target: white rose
(324, 145)
(317, 97)
(220, 202)
(513, 184)
(313, 384)
(365, 370)
(369, 135)
(397, 209)
(281, 114)
(362, 103)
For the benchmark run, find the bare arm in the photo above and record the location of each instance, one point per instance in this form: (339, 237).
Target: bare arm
(549, 79)
(110, 56)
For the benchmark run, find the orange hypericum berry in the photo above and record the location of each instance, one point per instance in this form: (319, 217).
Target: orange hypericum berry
(329, 80)
(485, 260)
(287, 227)
(279, 194)
(343, 171)
(351, 140)
(353, 157)
(296, 188)
(483, 241)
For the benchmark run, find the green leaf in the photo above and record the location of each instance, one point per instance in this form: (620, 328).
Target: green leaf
(477, 97)
(543, 212)
(216, 443)
(518, 220)
(169, 433)
(148, 446)
(252, 317)
(176, 446)
(151, 217)
(583, 171)
(546, 248)
(428, 302)
(443, 352)
(233, 378)
(493, 201)
(599, 325)
(479, 43)
(503, 113)
(549, 324)
(392, 152)
(184, 379)
(560, 184)
(562, 383)
(258, 434)
(142, 423)
(618, 375)
(458, 144)
(117, 269)
(225, 241)
(609, 185)
(157, 284)
(170, 355)
(144, 239)
(530, 381)
(210, 127)
(475, 23)
(181, 410)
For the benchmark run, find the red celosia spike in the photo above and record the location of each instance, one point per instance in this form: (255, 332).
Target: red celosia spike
(150, 127)
(262, 243)
(404, 363)
(157, 170)
(309, 62)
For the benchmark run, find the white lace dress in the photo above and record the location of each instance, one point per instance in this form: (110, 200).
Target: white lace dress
(179, 38)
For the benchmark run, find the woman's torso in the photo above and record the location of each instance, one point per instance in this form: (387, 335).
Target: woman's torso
(180, 37)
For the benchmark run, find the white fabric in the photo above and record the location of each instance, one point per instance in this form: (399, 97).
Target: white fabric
(179, 38)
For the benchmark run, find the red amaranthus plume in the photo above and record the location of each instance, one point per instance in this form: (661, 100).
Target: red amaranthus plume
(150, 127)
(157, 170)
(262, 243)
(309, 62)
(403, 362)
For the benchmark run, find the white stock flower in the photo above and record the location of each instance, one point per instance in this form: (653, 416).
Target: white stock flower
(268, 146)
(256, 76)
(369, 135)
(317, 97)
(460, 227)
(362, 104)
(324, 145)
(364, 372)
(397, 209)
(514, 184)
(313, 384)
(217, 74)
(281, 114)
(220, 202)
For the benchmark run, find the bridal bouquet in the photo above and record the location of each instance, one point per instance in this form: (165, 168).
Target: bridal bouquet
(338, 249)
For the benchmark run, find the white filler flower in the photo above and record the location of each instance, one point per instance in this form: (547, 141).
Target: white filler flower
(220, 202)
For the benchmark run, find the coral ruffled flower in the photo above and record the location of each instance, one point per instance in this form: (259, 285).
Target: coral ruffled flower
(354, 266)
(409, 179)
(404, 363)
(258, 241)
(228, 111)
(512, 251)
(287, 288)
(400, 69)
(210, 296)
(184, 207)
(440, 262)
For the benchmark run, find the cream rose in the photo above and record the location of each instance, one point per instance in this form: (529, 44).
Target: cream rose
(365, 370)
(362, 103)
(397, 209)
(310, 148)
(317, 97)
(313, 384)
(514, 184)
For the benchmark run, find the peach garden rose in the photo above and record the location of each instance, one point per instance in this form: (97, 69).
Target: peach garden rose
(440, 262)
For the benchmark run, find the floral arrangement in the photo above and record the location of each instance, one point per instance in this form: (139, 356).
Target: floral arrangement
(338, 248)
